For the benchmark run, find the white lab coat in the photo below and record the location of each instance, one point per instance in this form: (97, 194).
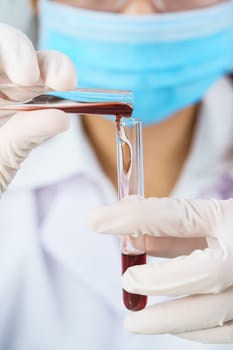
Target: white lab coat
(59, 282)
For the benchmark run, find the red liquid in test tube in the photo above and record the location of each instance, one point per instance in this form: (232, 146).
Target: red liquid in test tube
(134, 302)
(130, 182)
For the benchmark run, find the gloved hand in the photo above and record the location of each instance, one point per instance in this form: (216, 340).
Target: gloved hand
(21, 65)
(203, 280)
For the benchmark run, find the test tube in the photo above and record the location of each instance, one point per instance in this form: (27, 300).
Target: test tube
(130, 182)
(78, 101)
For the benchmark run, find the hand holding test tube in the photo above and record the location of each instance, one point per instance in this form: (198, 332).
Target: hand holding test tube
(28, 104)
(21, 131)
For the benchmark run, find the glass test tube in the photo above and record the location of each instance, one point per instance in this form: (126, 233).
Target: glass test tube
(131, 182)
(81, 101)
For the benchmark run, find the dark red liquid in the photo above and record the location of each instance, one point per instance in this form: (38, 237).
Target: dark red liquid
(119, 109)
(108, 108)
(133, 302)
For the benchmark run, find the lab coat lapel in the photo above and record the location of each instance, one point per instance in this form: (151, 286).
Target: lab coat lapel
(91, 257)
(209, 161)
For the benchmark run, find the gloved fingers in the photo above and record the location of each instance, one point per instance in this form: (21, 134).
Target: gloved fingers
(26, 129)
(23, 132)
(188, 314)
(200, 272)
(18, 58)
(171, 247)
(157, 217)
(5, 116)
(56, 70)
(216, 335)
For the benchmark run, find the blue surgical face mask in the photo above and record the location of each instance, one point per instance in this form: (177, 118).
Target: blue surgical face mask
(168, 61)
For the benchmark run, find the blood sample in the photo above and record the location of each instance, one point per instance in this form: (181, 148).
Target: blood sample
(132, 301)
(80, 101)
(130, 181)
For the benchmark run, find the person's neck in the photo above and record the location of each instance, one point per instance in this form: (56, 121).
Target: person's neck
(166, 147)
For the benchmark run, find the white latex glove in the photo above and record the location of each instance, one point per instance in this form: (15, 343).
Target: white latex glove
(203, 279)
(20, 64)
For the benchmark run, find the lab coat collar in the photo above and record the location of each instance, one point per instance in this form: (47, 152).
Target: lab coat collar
(209, 157)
